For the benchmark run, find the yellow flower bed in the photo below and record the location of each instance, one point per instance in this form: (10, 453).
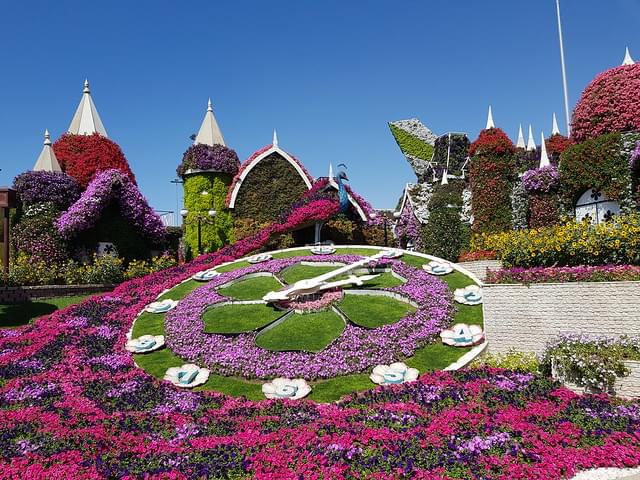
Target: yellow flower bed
(574, 243)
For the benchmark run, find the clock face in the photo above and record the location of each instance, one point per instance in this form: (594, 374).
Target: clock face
(309, 317)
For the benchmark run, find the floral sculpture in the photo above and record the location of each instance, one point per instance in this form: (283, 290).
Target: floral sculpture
(392, 253)
(161, 306)
(187, 376)
(471, 295)
(263, 257)
(395, 373)
(462, 335)
(292, 389)
(438, 268)
(145, 344)
(205, 275)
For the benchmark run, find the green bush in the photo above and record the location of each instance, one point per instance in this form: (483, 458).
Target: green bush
(105, 269)
(512, 360)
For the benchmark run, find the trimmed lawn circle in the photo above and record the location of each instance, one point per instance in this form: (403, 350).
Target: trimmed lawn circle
(431, 356)
(231, 318)
(372, 311)
(309, 332)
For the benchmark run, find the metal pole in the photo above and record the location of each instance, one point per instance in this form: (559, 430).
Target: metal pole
(5, 240)
(564, 71)
(199, 236)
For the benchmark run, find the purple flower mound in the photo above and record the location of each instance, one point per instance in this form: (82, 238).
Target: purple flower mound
(356, 350)
(40, 187)
(207, 157)
(541, 180)
(107, 186)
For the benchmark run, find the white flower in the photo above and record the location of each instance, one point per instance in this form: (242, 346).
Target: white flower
(395, 373)
(286, 388)
(205, 275)
(391, 253)
(471, 295)
(162, 306)
(262, 257)
(187, 376)
(462, 335)
(438, 267)
(323, 250)
(145, 343)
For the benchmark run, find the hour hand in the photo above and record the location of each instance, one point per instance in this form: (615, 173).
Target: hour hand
(351, 280)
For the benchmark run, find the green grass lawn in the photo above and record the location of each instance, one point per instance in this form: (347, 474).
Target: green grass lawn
(239, 318)
(16, 314)
(435, 356)
(251, 289)
(372, 311)
(311, 332)
(300, 272)
(383, 280)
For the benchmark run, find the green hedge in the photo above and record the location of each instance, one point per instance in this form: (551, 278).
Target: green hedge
(214, 232)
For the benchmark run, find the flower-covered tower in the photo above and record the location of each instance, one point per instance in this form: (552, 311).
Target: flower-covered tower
(207, 170)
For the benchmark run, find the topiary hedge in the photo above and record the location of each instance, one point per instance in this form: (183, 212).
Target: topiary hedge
(206, 191)
(271, 187)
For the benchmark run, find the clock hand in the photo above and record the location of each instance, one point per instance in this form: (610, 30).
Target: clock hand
(352, 280)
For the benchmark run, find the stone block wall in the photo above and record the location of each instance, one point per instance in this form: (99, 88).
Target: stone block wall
(479, 267)
(526, 317)
(26, 294)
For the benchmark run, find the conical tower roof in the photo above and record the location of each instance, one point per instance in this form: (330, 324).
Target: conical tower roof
(86, 120)
(520, 143)
(209, 133)
(554, 128)
(627, 58)
(490, 123)
(544, 158)
(531, 143)
(47, 161)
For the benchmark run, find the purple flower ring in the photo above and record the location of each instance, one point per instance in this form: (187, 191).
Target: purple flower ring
(356, 350)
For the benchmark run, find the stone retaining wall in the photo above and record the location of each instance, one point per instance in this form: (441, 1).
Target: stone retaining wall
(479, 267)
(26, 294)
(525, 317)
(624, 387)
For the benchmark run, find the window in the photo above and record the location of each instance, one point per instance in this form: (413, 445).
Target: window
(595, 207)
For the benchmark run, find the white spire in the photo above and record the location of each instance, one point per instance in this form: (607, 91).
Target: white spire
(531, 143)
(627, 57)
(554, 129)
(275, 138)
(209, 133)
(86, 120)
(520, 143)
(330, 171)
(544, 158)
(47, 160)
(445, 180)
(490, 123)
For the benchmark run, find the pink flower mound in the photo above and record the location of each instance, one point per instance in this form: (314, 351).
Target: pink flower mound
(105, 187)
(610, 103)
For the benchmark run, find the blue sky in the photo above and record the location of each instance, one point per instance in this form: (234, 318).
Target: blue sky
(327, 74)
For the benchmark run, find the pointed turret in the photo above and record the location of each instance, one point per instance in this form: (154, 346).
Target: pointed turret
(531, 143)
(47, 161)
(445, 180)
(627, 57)
(544, 158)
(209, 133)
(86, 120)
(275, 138)
(490, 123)
(554, 128)
(330, 171)
(520, 143)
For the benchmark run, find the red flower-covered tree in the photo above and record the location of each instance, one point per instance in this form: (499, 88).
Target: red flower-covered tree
(82, 156)
(610, 103)
(491, 174)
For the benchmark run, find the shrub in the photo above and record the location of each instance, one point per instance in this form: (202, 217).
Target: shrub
(209, 157)
(512, 360)
(140, 268)
(36, 237)
(26, 270)
(492, 173)
(610, 103)
(56, 188)
(574, 243)
(83, 156)
(105, 269)
(593, 362)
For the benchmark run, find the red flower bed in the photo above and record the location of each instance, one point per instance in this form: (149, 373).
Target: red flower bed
(610, 103)
(478, 255)
(82, 156)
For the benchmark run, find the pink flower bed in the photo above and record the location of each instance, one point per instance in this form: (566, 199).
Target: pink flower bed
(603, 273)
